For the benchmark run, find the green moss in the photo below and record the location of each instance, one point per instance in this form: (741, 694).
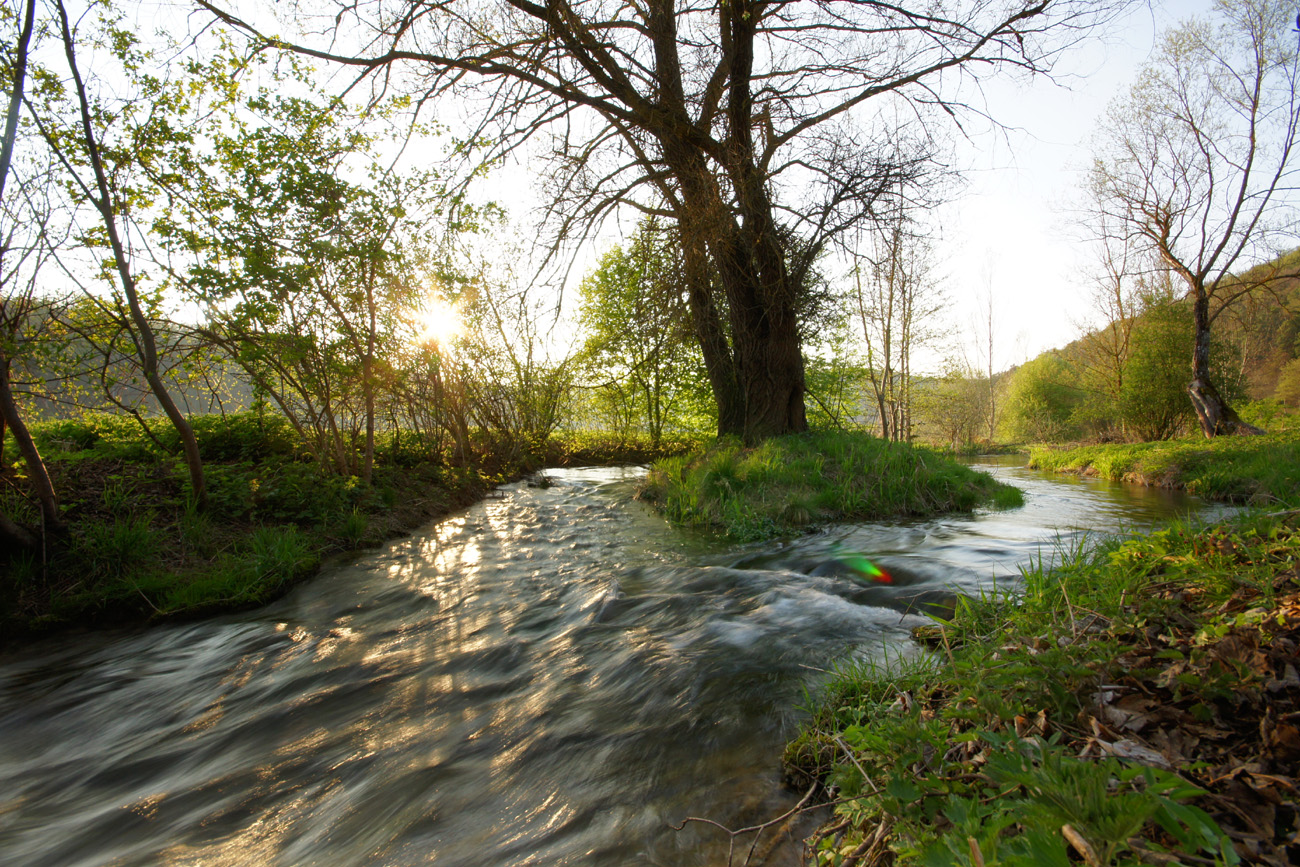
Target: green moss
(786, 483)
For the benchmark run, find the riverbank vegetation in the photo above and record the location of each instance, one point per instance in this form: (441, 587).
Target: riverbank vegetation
(1137, 703)
(788, 483)
(136, 548)
(1263, 470)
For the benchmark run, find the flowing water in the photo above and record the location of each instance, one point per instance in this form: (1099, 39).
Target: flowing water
(555, 676)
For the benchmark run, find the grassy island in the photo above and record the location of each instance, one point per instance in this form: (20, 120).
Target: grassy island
(787, 483)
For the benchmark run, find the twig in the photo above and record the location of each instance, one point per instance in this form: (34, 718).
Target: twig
(866, 850)
(1081, 845)
(756, 829)
(852, 758)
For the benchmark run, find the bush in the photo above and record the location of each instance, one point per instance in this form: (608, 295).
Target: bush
(241, 436)
(93, 430)
(1041, 401)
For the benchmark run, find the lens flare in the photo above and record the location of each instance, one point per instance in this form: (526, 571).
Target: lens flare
(861, 565)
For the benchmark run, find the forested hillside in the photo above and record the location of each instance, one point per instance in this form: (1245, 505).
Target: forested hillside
(1127, 379)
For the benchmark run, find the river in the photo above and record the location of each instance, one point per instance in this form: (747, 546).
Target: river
(552, 677)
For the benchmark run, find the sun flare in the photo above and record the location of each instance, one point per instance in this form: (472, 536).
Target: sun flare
(439, 322)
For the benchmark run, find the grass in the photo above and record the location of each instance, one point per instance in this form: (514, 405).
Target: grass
(1258, 470)
(788, 483)
(1055, 727)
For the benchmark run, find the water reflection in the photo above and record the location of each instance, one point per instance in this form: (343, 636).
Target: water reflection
(549, 678)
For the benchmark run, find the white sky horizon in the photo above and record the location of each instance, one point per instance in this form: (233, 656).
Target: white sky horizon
(1016, 224)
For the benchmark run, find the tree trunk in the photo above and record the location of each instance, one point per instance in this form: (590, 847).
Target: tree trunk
(39, 476)
(718, 361)
(769, 368)
(143, 331)
(755, 365)
(368, 374)
(15, 535)
(756, 370)
(1216, 417)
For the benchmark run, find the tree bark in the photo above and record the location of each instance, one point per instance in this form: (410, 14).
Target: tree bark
(368, 374)
(9, 415)
(40, 477)
(15, 535)
(1216, 417)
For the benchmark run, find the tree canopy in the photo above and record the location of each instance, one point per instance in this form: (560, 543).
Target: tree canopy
(747, 123)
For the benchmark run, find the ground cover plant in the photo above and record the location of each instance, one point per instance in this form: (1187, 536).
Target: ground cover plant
(1260, 470)
(788, 483)
(1137, 704)
(138, 549)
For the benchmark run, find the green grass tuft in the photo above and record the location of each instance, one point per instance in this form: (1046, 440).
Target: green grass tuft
(979, 745)
(786, 483)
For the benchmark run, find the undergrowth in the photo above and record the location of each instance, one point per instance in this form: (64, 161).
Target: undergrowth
(137, 548)
(1128, 706)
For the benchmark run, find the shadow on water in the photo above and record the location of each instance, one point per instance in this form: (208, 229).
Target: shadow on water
(552, 677)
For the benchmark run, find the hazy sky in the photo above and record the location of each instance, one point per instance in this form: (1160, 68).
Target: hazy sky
(1013, 227)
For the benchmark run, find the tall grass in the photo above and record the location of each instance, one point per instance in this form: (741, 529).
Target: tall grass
(787, 483)
(119, 549)
(253, 573)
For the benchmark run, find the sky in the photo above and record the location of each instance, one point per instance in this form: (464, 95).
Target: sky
(1015, 228)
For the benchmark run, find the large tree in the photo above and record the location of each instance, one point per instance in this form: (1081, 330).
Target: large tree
(1198, 162)
(748, 122)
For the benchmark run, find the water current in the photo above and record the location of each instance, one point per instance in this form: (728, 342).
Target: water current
(553, 677)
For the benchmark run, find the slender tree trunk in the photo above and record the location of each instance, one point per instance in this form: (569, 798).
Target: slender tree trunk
(368, 372)
(9, 415)
(16, 535)
(993, 392)
(143, 331)
(1216, 417)
(39, 475)
(16, 93)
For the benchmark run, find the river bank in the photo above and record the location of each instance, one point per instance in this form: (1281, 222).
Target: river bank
(1138, 703)
(554, 673)
(1256, 470)
(137, 551)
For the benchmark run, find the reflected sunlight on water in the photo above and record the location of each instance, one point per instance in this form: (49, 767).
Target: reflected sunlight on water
(552, 677)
